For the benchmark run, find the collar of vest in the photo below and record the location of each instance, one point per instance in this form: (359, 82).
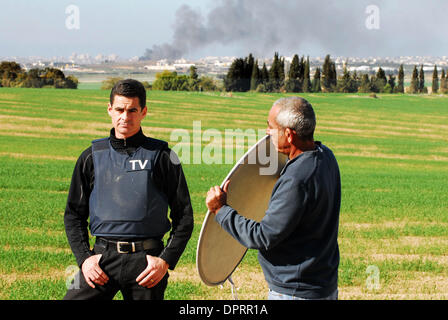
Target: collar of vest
(132, 142)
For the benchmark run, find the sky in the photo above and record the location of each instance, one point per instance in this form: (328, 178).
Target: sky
(192, 29)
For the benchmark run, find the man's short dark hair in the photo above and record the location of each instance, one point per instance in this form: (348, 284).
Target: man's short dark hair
(129, 88)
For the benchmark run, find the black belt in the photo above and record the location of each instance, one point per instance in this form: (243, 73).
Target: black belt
(130, 246)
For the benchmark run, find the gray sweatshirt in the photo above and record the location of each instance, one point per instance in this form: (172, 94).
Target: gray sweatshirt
(297, 238)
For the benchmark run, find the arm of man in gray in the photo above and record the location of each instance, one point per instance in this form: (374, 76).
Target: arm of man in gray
(282, 217)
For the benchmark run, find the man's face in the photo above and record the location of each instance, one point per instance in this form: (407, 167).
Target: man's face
(126, 116)
(278, 136)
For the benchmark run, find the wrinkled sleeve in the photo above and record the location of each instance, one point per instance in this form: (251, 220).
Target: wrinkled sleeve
(284, 212)
(171, 179)
(77, 208)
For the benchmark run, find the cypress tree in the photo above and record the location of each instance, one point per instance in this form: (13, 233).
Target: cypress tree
(355, 81)
(301, 74)
(276, 74)
(329, 77)
(435, 80)
(292, 83)
(194, 73)
(316, 86)
(230, 81)
(333, 76)
(264, 74)
(400, 86)
(364, 87)
(391, 83)
(345, 82)
(255, 78)
(373, 84)
(421, 81)
(326, 74)
(249, 64)
(293, 72)
(443, 83)
(193, 81)
(306, 85)
(237, 78)
(273, 74)
(281, 72)
(380, 80)
(414, 88)
(248, 68)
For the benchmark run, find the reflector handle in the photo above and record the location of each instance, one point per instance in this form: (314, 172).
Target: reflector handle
(232, 286)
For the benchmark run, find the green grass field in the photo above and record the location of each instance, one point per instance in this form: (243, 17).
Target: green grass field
(392, 152)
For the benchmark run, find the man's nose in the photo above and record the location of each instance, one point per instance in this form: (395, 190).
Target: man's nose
(124, 115)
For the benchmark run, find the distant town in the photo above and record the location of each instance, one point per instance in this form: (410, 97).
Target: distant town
(97, 68)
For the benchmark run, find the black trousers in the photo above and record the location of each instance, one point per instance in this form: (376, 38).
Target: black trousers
(122, 270)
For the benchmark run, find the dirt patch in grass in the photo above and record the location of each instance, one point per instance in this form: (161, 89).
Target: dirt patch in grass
(36, 156)
(422, 286)
(53, 274)
(423, 241)
(249, 282)
(409, 257)
(367, 154)
(38, 248)
(44, 131)
(390, 224)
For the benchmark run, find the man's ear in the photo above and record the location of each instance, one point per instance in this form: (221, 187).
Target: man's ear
(144, 111)
(289, 134)
(109, 108)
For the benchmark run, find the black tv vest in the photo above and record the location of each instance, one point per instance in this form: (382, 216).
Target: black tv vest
(124, 201)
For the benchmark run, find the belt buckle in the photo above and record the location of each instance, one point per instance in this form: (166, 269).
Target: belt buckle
(119, 243)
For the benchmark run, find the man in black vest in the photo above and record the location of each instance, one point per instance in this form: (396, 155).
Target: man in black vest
(125, 184)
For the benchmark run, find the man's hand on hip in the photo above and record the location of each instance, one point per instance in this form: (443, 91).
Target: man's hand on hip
(154, 272)
(92, 271)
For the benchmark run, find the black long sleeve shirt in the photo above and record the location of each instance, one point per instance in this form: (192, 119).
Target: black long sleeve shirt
(169, 178)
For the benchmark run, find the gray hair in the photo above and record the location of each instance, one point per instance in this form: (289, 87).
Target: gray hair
(296, 113)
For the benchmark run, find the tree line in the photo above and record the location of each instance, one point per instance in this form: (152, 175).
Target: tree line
(12, 75)
(245, 74)
(170, 80)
